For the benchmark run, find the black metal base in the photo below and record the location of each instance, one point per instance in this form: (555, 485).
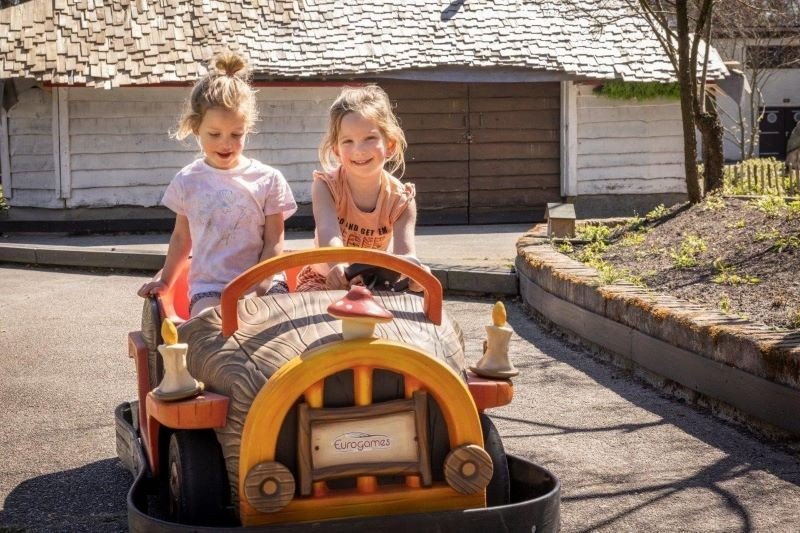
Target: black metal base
(535, 505)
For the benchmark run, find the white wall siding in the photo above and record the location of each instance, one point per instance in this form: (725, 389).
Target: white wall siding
(628, 147)
(122, 154)
(293, 121)
(34, 179)
(120, 149)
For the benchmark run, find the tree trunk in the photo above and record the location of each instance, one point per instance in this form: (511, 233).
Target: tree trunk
(686, 81)
(712, 133)
(689, 142)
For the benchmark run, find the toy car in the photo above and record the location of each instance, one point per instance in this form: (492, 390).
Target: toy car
(308, 421)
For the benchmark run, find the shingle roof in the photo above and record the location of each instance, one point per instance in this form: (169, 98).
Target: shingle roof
(120, 42)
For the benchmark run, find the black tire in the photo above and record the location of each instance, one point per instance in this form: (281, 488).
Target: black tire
(498, 492)
(197, 482)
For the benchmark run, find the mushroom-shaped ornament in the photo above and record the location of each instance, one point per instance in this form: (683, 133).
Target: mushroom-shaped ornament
(359, 312)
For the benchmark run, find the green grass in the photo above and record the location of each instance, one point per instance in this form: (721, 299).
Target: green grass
(686, 256)
(727, 275)
(656, 213)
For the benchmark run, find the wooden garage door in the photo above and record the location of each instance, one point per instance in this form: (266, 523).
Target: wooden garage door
(480, 153)
(514, 153)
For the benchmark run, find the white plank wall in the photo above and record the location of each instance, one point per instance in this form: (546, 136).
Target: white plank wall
(628, 147)
(121, 152)
(31, 150)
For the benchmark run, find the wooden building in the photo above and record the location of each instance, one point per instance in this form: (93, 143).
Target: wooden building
(496, 98)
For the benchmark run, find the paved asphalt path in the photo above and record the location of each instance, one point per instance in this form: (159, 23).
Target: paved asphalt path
(629, 458)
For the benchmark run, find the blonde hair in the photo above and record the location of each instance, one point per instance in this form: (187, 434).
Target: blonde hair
(227, 86)
(372, 103)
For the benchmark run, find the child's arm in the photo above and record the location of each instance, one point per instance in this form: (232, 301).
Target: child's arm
(273, 247)
(180, 244)
(328, 233)
(404, 234)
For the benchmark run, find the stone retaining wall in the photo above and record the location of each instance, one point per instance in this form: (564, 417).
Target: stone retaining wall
(747, 366)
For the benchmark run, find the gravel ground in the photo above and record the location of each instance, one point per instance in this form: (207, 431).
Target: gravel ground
(628, 457)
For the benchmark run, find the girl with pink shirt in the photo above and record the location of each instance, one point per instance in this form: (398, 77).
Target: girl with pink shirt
(229, 209)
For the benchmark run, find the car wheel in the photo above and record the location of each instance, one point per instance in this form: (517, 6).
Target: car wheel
(498, 492)
(197, 481)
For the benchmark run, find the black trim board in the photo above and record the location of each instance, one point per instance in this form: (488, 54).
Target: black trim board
(758, 397)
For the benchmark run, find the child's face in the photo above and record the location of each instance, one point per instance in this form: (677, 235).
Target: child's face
(221, 135)
(361, 147)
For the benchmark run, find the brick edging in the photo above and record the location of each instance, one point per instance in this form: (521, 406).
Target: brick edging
(666, 335)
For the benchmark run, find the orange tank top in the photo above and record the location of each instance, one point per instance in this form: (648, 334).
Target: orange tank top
(368, 229)
(360, 229)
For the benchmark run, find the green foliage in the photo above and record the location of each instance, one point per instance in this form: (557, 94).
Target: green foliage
(686, 256)
(635, 223)
(608, 274)
(759, 176)
(592, 252)
(713, 202)
(768, 235)
(727, 275)
(739, 224)
(786, 242)
(593, 232)
(794, 320)
(657, 212)
(566, 248)
(780, 242)
(772, 206)
(632, 239)
(3, 203)
(725, 304)
(629, 90)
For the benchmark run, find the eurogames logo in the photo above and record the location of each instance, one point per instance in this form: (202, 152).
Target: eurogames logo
(359, 442)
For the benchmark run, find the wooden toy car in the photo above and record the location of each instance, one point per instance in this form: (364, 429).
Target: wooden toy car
(306, 420)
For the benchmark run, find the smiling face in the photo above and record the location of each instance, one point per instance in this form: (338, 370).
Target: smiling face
(361, 147)
(221, 135)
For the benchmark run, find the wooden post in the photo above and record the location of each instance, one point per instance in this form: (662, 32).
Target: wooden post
(747, 171)
(62, 93)
(5, 153)
(569, 139)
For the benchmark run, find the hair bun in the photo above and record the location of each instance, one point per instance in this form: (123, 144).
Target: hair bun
(228, 64)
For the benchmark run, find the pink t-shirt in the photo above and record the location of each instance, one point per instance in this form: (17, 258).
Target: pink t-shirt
(226, 211)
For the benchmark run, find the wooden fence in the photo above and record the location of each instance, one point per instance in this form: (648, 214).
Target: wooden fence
(761, 176)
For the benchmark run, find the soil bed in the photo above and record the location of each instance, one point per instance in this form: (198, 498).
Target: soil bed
(747, 255)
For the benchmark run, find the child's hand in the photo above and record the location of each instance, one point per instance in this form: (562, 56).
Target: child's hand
(152, 287)
(336, 278)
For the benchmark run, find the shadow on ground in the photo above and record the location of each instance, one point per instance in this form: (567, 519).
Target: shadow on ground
(90, 498)
(743, 451)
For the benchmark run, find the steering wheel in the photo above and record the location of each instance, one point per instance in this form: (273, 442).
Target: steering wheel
(431, 288)
(376, 278)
